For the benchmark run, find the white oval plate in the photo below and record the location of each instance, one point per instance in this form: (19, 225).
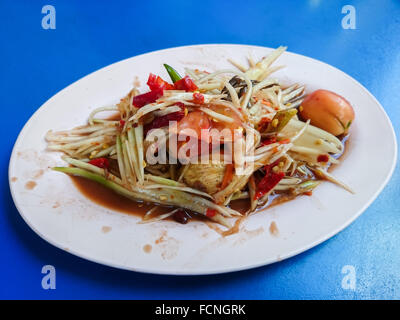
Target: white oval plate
(60, 214)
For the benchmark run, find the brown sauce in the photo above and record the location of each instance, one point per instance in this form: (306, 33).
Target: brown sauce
(105, 229)
(147, 248)
(111, 200)
(234, 229)
(273, 229)
(241, 205)
(114, 117)
(277, 199)
(30, 185)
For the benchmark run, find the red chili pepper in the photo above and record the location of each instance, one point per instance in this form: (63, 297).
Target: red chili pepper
(198, 98)
(268, 183)
(155, 82)
(323, 158)
(263, 124)
(100, 162)
(268, 167)
(186, 84)
(211, 212)
(268, 141)
(164, 120)
(146, 98)
(270, 180)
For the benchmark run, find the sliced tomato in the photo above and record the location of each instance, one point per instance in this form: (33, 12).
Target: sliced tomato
(196, 121)
(236, 124)
(220, 125)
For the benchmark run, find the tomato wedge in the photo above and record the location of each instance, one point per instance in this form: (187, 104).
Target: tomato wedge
(196, 121)
(191, 126)
(226, 111)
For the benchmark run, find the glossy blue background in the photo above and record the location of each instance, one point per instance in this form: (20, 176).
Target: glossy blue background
(36, 63)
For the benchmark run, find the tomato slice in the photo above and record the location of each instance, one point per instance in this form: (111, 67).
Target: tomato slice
(220, 125)
(195, 121)
(191, 126)
(236, 124)
(198, 121)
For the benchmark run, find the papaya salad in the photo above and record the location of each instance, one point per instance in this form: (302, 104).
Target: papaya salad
(165, 146)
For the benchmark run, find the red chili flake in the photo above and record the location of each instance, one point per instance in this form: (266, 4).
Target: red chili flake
(100, 163)
(211, 212)
(266, 102)
(198, 98)
(323, 158)
(262, 126)
(285, 141)
(308, 193)
(268, 141)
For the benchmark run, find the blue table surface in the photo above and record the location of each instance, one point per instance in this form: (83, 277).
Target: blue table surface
(36, 63)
